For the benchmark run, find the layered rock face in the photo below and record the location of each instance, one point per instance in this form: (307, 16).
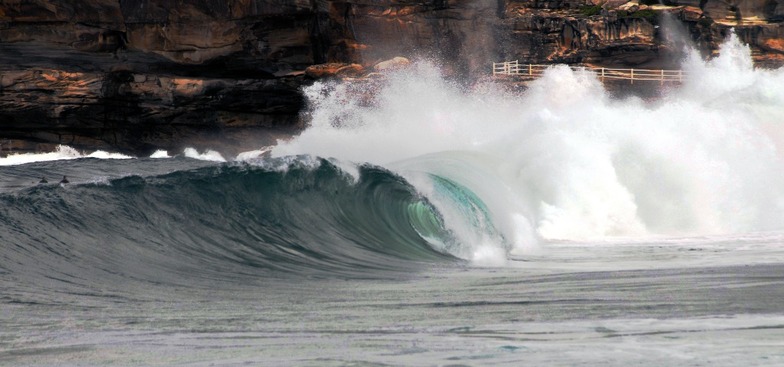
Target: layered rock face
(638, 34)
(139, 75)
(142, 75)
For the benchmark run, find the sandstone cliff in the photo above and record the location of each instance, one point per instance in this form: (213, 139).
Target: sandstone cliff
(136, 75)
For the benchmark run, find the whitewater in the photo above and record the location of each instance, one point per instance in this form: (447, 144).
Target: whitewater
(565, 161)
(418, 221)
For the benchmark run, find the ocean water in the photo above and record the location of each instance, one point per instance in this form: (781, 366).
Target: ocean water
(421, 224)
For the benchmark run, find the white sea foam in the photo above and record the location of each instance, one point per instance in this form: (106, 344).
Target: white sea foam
(100, 154)
(158, 154)
(208, 155)
(563, 160)
(62, 152)
(253, 154)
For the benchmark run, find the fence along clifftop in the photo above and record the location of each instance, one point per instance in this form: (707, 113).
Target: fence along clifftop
(514, 68)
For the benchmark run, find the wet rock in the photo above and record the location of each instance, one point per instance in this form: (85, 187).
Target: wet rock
(334, 70)
(392, 64)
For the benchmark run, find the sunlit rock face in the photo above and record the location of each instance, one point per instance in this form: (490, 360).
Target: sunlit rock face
(546, 35)
(141, 74)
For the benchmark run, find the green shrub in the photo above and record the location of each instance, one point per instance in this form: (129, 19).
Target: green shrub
(643, 14)
(591, 10)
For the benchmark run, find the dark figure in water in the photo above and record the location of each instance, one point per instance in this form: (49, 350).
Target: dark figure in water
(64, 180)
(43, 180)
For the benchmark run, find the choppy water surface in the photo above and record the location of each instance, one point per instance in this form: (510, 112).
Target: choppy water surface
(693, 302)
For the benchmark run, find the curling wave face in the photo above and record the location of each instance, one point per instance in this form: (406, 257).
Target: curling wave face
(297, 216)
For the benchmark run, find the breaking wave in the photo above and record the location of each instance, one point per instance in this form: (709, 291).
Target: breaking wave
(563, 159)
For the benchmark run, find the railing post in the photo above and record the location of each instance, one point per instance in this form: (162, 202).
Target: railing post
(632, 75)
(530, 70)
(602, 75)
(661, 82)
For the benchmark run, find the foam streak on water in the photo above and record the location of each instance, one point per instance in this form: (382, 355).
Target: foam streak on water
(62, 152)
(563, 160)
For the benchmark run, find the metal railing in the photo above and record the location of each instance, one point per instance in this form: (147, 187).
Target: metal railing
(632, 75)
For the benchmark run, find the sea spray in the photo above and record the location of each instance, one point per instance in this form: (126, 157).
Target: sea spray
(563, 160)
(410, 117)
